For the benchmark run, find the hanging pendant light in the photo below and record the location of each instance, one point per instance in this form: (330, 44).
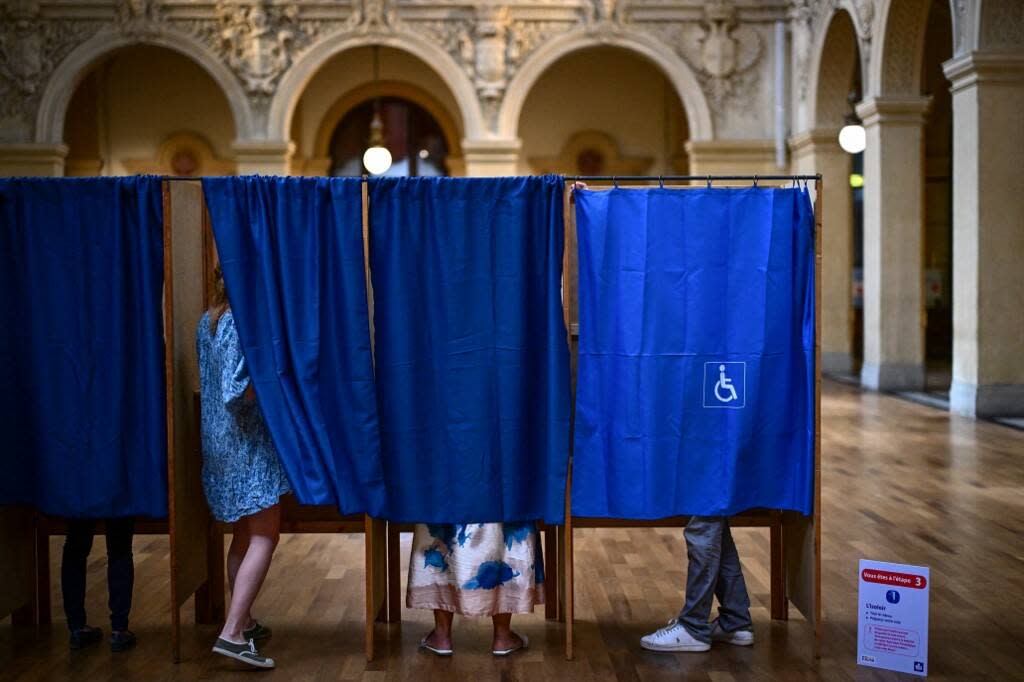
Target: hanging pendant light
(852, 137)
(376, 158)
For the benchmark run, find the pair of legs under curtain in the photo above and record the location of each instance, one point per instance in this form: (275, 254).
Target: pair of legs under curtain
(120, 579)
(714, 571)
(476, 569)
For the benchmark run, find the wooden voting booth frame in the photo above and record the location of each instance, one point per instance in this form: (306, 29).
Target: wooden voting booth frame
(795, 540)
(196, 541)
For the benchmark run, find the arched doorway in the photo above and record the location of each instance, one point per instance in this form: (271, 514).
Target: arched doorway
(603, 111)
(838, 87)
(121, 120)
(331, 122)
(938, 200)
(416, 140)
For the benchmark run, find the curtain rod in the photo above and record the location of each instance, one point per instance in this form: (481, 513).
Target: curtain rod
(598, 178)
(688, 178)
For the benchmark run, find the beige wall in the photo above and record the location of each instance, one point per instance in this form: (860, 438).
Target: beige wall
(609, 90)
(130, 103)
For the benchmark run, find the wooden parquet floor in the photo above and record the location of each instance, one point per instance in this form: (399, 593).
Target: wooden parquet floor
(902, 482)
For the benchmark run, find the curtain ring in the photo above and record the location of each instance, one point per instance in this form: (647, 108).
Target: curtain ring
(615, 182)
(709, 182)
(755, 181)
(661, 181)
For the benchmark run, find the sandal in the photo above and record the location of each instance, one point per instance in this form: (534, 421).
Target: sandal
(506, 652)
(435, 650)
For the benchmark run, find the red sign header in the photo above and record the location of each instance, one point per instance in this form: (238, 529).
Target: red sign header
(873, 575)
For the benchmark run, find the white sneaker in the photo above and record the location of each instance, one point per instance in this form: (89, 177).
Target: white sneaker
(673, 637)
(738, 638)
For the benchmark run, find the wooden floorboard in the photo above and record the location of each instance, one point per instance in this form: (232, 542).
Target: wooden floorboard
(901, 482)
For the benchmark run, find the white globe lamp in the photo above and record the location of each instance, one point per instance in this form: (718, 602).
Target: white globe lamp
(376, 158)
(852, 138)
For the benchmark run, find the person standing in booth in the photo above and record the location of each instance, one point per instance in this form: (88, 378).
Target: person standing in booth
(476, 569)
(714, 571)
(120, 581)
(242, 475)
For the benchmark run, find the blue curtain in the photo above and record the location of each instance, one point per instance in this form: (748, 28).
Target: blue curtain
(292, 254)
(82, 418)
(472, 360)
(696, 363)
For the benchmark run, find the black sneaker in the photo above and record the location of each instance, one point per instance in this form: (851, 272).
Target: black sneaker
(84, 636)
(121, 640)
(257, 632)
(246, 653)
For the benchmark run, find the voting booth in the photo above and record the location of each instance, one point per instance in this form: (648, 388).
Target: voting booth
(483, 273)
(794, 533)
(197, 554)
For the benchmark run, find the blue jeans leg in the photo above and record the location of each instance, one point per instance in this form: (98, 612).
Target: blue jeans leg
(714, 570)
(731, 590)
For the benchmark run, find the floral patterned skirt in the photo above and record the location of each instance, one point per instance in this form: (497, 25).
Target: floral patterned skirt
(476, 569)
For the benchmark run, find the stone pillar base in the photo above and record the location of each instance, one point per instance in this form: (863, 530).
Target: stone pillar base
(987, 400)
(266, 157)
(491, 158)
(732, 157)
(32, 159)
(836, 363)
(892, 376)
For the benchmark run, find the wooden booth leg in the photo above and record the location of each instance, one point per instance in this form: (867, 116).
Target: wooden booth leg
(779, 600)
(44, 608)
(567, 571)
(376, 579)
(552, 573)
(210, 597)
(394, 574)
(19, 586)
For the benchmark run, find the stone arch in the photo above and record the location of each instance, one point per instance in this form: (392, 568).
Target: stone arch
(69, 73)
(678, 72)
(294, 82)
(897, 50)
(836, 54)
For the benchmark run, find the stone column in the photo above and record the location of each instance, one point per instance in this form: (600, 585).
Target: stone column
(988, 234)
(818, 151)
(266, 157)
(491, 157)
(893, 242)
(32, 159)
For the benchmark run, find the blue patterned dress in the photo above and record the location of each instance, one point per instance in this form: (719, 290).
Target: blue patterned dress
(476, 569)
(242, 473)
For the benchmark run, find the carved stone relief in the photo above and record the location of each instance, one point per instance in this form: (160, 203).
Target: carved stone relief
(259, 40)
(724, 54)
(30, 49)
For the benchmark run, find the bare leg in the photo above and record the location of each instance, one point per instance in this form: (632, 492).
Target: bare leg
(264, 529)
(236, 552)
(504, 638)
(441, 636)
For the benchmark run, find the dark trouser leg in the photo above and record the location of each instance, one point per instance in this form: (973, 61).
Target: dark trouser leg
(77, 545)
(120, 570)
(731, 590)
(704, 553)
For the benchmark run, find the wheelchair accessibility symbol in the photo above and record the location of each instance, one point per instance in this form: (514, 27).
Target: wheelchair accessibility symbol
(725, 384)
